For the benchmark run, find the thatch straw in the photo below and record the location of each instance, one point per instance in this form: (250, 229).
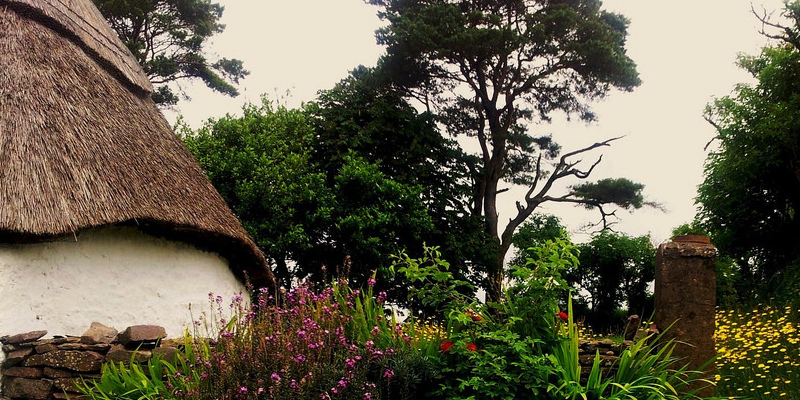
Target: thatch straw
(80, 20)
(78, 149)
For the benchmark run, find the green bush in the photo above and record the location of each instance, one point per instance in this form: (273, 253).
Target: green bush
(158, 379)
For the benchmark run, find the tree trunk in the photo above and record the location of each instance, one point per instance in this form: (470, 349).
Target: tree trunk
(494, 289)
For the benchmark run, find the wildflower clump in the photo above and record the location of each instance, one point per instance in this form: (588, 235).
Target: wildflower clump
(333, 343)
(758, 353)
(294, 346)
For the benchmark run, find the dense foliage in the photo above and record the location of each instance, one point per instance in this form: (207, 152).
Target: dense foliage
(750, 197)
(534, 233)
(615, 270)
(167, 37)
(299, 214)
(487, 69)
(362, 116)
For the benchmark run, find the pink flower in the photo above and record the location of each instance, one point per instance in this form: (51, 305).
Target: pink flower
(388, 374)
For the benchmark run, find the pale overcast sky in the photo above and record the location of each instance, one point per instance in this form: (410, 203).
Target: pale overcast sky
(685, 51)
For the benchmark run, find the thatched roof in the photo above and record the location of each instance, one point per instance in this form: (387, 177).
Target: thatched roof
(82, 145)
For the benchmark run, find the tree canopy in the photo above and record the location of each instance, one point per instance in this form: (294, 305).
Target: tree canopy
(261, 165)
(615, 269)
(535, 232)
(750, 196)
(168, 38)
(344, 212)
(487, 69)
(364, 116)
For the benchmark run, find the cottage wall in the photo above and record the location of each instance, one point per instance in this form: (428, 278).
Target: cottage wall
(116, 276)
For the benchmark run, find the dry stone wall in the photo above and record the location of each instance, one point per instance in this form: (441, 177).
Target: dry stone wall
(43, 369)
(606, 349)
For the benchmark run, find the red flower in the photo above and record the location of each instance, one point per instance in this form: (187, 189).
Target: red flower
(563, 315)
(471, 347)
(445, 347)
(475, 317)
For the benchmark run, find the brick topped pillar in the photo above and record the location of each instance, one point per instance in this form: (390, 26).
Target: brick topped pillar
(685, 297)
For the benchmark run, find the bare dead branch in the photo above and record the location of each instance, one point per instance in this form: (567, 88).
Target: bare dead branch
(583, 175)
(606, 142)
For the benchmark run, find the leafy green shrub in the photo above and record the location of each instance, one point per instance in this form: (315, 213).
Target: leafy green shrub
(158, 379)
(524, 347)
(494, 350)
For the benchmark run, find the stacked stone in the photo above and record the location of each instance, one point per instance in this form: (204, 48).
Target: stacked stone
(44, 369)
(608, 351)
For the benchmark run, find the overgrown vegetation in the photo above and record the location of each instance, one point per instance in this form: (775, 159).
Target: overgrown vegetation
(336, 343)
(750, 197)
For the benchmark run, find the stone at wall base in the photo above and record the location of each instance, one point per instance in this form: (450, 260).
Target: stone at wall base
(99, 333)
(141, 334)
(23, 337)
(23, 372)
(30, 389)
(80, 361)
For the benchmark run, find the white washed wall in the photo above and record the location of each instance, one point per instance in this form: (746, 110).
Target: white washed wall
(116, 276)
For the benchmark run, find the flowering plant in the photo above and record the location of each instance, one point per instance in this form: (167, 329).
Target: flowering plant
(333, 343)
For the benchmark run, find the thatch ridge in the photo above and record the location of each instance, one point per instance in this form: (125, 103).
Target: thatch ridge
(80, 150)
(81, 21)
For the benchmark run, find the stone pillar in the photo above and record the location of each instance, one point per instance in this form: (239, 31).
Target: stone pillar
(685, 297)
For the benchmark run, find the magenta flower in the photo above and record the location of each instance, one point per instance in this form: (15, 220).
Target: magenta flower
(388, 374)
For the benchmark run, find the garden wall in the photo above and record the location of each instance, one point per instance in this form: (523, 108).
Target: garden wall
(40, 369)
(605, 348)
(44, 369)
